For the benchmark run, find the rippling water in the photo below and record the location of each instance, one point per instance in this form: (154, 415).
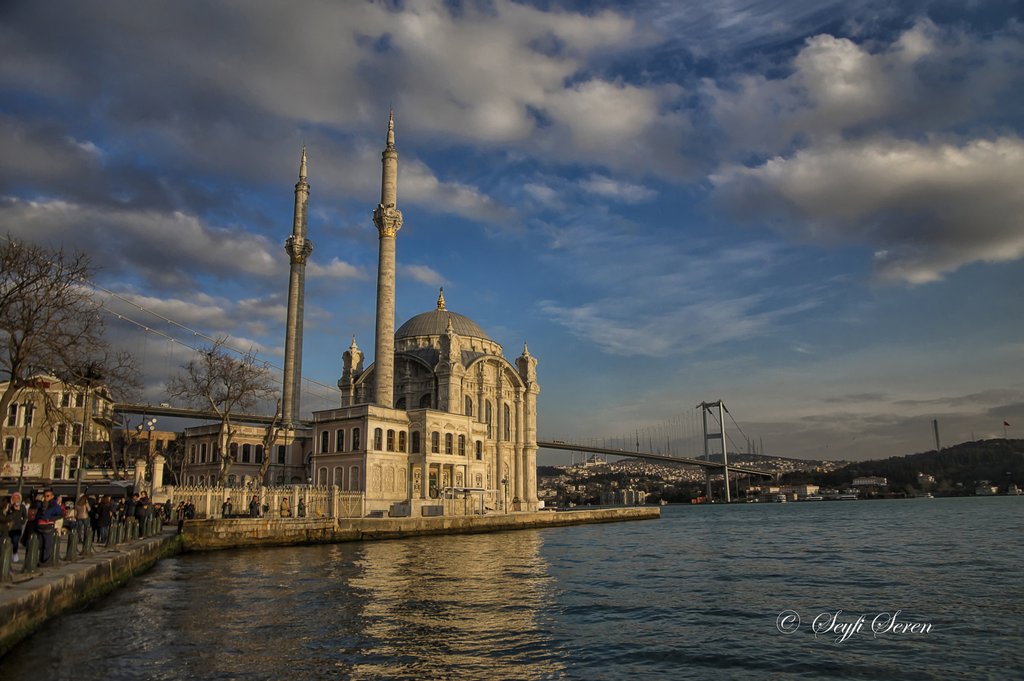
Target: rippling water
(695, 594)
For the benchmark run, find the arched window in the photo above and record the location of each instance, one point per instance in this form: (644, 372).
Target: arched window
(354, 481)
(339, 440)
(202, 480)
(391, 440)
(507, 423)
(462, 445)
(192, 454)
(191, 479)
(401, 440)
(58, 468)
(73, 467)
(339, 475)
(489, 418)
(62, 434)
(246, 453)
(325, 442)
(233, 448)
(447, 443)
(400, 403)
(435, 442)
(425, 401)
(281, 453)
(469, 406)
(321, 476)
(378, 439)
(202, 453)
(231, 480)
(479, 450)
(258, 456)
(356, 444)
(415, 442)
(76, 434)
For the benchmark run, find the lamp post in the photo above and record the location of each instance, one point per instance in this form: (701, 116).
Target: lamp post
(151, 426)
(86, 419)
(504, 498)
(26, 449)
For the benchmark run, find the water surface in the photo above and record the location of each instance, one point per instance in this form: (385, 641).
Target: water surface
(695, 594)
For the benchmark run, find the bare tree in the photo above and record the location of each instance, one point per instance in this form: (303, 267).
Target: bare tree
(269, 438)
(227, 386)
(50, 324)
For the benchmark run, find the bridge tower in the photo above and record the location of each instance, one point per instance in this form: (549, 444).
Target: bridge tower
(705, 407)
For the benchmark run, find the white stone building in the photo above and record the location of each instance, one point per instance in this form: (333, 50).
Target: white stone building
(440, 414)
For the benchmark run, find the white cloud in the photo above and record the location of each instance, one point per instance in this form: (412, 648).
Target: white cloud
(926, 78)
(619, 190)
(422, 273)
(926, 208)
(335, 269)
(163, 246)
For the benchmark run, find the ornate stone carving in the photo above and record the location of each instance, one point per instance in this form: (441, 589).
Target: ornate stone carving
(388, 220)
(298, 249)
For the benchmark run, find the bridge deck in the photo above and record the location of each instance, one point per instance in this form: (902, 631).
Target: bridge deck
(654, 457)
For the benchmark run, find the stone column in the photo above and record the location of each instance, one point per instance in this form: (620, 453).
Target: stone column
(388, 220)
(518, 456)
(298, 248)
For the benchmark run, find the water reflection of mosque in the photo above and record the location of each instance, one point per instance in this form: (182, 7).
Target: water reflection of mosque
(471, 606)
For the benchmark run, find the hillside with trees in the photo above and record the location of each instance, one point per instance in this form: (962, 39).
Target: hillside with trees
(961, 466)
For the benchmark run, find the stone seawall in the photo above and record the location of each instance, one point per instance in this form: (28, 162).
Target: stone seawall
(207, 535)
(26, 605)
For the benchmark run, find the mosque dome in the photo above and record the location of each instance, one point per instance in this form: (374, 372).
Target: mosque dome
(435, 323)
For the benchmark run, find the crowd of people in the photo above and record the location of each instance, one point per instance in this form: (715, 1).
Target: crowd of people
(51, 516)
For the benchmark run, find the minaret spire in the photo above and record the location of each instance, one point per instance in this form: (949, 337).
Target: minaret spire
(388, 220)
(298, 248)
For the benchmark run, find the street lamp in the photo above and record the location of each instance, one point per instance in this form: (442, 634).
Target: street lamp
(149, 425)
(504, 501)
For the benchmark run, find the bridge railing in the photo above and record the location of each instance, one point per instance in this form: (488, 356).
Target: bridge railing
(284, 501)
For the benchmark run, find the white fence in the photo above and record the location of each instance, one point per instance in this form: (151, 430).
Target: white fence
(271, 502)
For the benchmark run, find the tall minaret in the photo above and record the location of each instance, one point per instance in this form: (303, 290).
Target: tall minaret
(298, 248)
(388, 220)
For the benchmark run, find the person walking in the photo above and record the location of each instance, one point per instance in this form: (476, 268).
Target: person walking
(286, 510)
(104, 518)
(19, 515)
(82, 512)
(254, 507)
(6, 516)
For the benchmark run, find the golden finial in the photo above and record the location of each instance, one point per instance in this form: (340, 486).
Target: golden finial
(440, 299)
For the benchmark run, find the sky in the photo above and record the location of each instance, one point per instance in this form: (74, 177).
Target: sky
(811, 210)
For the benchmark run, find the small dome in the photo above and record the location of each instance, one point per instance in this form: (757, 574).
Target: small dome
(435, 323)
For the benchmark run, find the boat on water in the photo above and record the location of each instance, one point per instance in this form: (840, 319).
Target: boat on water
(780, 498)
(847, 497)
(814, 497)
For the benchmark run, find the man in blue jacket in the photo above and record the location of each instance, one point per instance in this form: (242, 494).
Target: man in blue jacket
(49, 513)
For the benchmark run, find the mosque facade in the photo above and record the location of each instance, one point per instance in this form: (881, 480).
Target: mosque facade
(440, 413)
